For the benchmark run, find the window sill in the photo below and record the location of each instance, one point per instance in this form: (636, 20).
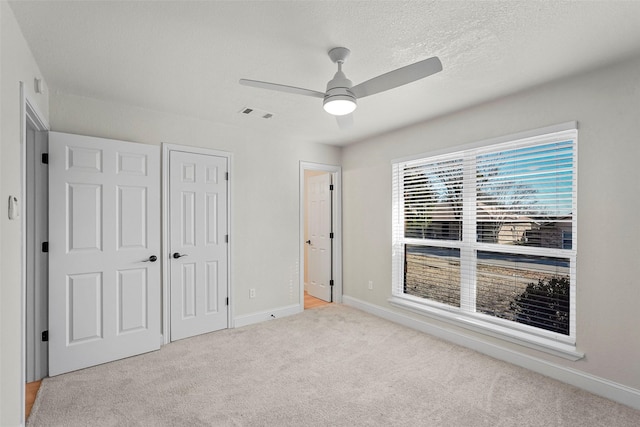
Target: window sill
(543, 344)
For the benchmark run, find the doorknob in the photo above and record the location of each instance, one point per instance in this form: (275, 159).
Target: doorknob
(152, 258)
(308, 242)
(177, 255)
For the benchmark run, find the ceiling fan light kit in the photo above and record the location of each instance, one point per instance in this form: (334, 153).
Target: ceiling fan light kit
(340, 98)
(339, 101)
(339, 105)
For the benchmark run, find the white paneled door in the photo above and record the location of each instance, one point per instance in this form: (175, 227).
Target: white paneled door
(319, 241)
(104, 243)
(198, 190)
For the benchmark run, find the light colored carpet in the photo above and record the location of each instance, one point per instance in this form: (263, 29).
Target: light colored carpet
(331, 366)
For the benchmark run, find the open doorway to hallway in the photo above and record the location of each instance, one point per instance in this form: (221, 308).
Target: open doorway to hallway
(321, 254)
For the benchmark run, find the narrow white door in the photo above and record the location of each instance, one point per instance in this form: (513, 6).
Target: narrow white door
(104, 239)
(319, 242)
(197, 242)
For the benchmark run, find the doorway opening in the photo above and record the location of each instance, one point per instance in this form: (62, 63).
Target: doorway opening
(321, 234)
(34, 230)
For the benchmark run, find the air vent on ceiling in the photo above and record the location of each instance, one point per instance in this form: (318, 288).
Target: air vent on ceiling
(254, 112)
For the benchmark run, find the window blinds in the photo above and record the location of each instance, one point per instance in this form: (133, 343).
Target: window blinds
(524, 195)
(491, 230)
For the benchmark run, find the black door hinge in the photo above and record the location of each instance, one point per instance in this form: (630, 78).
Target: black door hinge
(331, 235)
(45, 336)
(227, 300)
(331, 282)
(226, 238)
(45, 158)
(226, 176)
(330, 187)
(45, 246)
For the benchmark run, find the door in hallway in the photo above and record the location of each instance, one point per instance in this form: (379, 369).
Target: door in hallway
(318, 236)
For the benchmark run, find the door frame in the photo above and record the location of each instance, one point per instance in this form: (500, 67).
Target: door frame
(36, 213)
(166, 254)
(29, 111)
(336, 259)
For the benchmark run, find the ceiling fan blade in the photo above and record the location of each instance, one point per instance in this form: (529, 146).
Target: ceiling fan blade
(345, 122)
(282, 88)
(398, 77)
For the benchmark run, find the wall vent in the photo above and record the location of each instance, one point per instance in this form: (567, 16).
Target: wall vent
(254, 112)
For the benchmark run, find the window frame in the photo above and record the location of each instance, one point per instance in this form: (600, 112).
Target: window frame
(465, 315)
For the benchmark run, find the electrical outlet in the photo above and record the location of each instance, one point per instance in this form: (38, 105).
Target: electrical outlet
(252, 293)
(370, 285)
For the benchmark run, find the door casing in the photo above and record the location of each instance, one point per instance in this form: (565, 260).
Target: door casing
(336, 172)
(166, 247)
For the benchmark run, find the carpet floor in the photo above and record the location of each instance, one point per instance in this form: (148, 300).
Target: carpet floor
(331, 366)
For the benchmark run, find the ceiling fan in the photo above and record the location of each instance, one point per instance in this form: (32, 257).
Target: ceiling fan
(340, 98)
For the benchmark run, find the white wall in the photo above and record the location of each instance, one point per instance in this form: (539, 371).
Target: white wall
(265, 211)
(606, 104)
(16, 64)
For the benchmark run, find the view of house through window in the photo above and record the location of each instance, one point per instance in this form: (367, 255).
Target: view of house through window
(489, 232)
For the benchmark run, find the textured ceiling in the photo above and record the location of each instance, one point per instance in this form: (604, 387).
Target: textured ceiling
(185, 57)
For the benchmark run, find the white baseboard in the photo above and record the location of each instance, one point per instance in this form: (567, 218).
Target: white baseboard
(602, 387)
(249, 319)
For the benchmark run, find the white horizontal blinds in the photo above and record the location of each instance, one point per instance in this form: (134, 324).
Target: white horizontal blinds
(525, 199)
(525, 195)
(397, 214)
(433, 273)
(528, 289)
(432, 195)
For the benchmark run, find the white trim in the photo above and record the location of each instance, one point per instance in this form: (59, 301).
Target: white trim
(250, 319)
(561, 127)
(336, 171)
(553, 343)
(33, 111)
(23, 251)
(601, 386)
(166, 295)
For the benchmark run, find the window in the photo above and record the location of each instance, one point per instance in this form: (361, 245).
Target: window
(487, 235)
